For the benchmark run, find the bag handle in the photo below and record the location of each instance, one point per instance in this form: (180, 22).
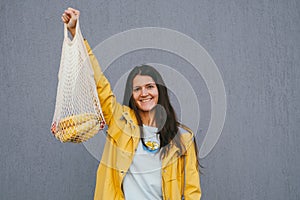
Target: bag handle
(76, 29)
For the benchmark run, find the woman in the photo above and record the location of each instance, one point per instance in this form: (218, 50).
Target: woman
(147, 154)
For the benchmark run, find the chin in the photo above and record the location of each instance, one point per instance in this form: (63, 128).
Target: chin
(146, 109)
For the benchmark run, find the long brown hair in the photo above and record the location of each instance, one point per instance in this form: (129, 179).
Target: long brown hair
(165, 118)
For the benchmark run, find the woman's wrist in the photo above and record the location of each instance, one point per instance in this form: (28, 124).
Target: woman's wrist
(72, 31)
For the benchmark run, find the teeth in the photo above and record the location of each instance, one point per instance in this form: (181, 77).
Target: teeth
(145, 100)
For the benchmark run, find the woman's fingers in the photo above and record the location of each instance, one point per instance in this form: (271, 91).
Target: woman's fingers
(65, 18)
(70, 17)
(76, 12)
(72, 13)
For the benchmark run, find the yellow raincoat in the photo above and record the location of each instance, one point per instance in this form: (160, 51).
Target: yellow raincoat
(121, 142)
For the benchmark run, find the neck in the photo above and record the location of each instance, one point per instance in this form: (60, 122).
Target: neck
(148, 118)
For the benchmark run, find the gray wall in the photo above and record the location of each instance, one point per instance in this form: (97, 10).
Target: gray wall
(255, 44)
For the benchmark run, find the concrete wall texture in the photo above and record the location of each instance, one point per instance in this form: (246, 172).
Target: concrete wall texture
(255, 44)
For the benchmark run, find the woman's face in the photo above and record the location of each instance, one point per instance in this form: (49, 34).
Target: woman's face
(144, 92)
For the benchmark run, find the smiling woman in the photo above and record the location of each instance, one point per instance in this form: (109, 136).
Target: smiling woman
(145, 93)
(148, 154)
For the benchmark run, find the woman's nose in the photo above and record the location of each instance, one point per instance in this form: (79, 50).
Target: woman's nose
(144, 92)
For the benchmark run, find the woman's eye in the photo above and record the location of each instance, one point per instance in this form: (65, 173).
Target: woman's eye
(136, 89)
(150, 86)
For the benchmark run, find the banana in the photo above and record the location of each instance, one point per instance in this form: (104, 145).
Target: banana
(78, 128)
(75, 120)
(85, 136)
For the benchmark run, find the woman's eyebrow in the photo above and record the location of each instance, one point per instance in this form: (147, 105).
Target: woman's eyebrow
(150, 83)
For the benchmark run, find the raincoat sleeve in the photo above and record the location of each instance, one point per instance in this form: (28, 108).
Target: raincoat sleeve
(107, 99)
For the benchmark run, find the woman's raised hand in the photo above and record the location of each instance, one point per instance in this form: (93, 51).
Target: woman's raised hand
(70, 17)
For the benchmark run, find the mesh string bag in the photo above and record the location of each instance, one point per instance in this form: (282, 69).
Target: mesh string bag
(78, 115)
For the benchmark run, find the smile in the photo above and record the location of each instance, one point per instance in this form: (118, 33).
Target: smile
(145, 100)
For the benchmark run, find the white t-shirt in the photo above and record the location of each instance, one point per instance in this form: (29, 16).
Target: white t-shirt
(143, 179)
